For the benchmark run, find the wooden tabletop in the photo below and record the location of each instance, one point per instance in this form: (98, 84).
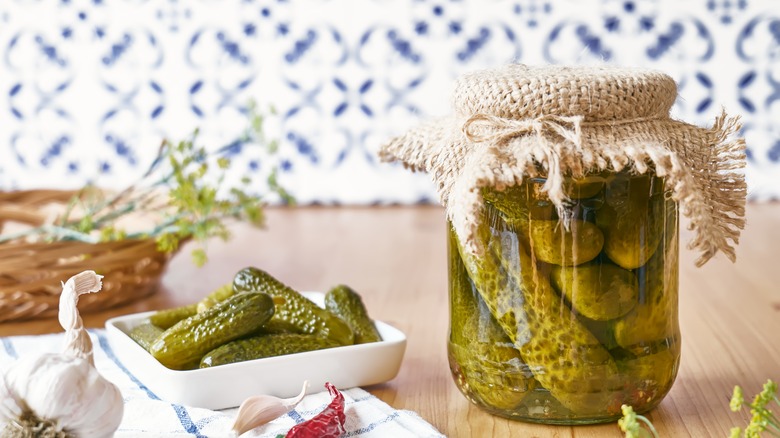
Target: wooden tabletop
(395, 257)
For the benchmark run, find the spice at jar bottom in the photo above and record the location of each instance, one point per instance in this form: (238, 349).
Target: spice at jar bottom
(562, 187)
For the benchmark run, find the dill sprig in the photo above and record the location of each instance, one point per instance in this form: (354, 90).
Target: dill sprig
(634, 425)
(185, 191)
(762, 418)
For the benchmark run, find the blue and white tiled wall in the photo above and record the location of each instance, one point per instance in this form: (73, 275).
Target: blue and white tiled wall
(89, 87)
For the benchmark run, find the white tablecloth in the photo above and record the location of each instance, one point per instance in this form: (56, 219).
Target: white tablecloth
(146, 415)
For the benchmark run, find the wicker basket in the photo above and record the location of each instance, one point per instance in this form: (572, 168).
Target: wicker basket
(30, 273)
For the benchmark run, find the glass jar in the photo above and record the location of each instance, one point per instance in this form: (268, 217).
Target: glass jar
(561, 320)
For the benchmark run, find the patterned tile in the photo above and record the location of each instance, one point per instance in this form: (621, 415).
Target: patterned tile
(91, 86)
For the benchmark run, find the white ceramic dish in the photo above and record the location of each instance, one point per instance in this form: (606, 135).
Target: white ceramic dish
(227, 386)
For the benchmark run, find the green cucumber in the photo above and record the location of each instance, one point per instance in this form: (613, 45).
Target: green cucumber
(564, 356)
(259, 347)
(292, 308)
(145, 335)
(220, 294)
(167, 318)
(345, 303)
(183, 345)
(482, 356)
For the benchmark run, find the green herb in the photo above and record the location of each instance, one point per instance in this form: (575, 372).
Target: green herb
(762, 419)
(630, 424)
(184, 191)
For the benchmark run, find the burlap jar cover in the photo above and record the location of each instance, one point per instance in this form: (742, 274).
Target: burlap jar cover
(517, 122)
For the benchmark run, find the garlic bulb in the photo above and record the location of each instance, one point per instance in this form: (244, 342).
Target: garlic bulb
(260, 409)
(61, 395)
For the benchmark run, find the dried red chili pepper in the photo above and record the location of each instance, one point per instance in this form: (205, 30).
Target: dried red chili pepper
(327, 424)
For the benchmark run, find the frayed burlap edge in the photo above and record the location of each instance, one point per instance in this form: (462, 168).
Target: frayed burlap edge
(701, 165)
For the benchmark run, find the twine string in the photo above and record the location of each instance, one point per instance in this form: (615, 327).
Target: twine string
(486, 128)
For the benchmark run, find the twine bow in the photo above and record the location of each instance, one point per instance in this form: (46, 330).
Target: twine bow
(484, 128)
(499, 131)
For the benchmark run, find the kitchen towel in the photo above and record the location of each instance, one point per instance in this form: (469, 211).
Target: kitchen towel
(146, 415)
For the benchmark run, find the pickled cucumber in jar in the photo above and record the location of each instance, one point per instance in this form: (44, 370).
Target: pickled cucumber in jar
(598, 291)
(655, 316)
(585, 187)
(632, 219)
(562, 185)
(551, 240)
(483, 358)
(537, 205)
(587, 323)
(564, 244)
(649, 372)
(565, 358)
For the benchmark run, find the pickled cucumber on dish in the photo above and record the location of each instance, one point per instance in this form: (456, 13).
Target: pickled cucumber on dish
(293, 310)
(182, 346)
(222, 293)
(348, 305)
(565, 358)
(218, 295)
(167, 318)
(259, 347)
(486, 363)
(551, 242)
(599, 291)
(632, 219)
(145, 334)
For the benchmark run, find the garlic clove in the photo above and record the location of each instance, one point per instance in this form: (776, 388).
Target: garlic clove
(260, 409)
(10, 405)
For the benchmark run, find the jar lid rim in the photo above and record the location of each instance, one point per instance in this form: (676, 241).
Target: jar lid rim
(595, 92)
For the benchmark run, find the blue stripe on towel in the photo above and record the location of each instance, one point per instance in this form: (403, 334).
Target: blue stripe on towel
(181, 411)
(296, 416)
(372, 426)
(200, 424)
(110, 353)
(9, 348)
(186, 421)
(361, 399)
